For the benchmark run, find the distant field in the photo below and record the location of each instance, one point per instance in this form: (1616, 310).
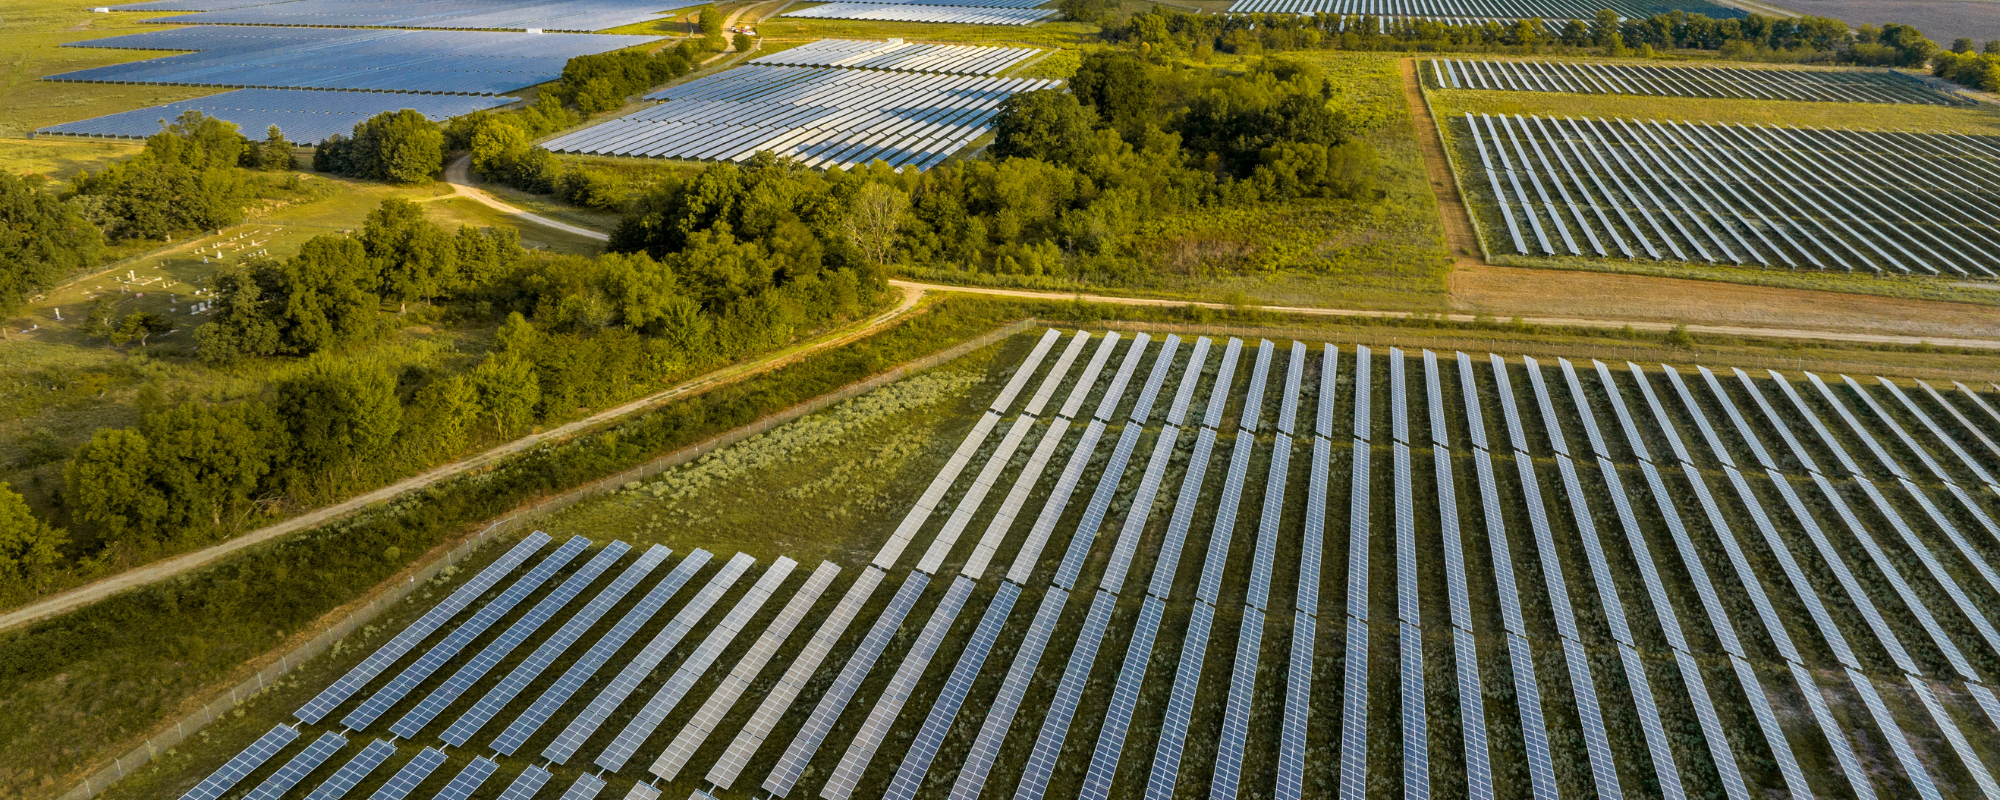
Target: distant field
(1941, 20)
(30, 48)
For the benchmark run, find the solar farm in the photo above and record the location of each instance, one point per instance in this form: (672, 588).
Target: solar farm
(1830, 199)
(304, 116)
(1844, 86)
(574, 15)
(1477, 11)
(821, 116)
(1100, 614)
(966, 13)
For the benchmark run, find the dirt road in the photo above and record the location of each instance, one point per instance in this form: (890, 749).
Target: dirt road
(91, 593)
(459, 175)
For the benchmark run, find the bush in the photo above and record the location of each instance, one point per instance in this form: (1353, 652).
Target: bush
(43, 240)
(397, 146)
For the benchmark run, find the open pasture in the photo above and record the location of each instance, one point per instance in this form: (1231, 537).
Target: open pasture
(1830, 199)
(1682, 582)
(1827, 86)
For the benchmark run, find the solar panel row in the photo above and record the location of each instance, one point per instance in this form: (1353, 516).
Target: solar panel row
(900, 56)
(1218, 397)
(386, 656)
(520, 15)
(710, 715)
(1041, 763)
(670, 694)
(1190, 379)
(1479, 11)
(1056, 374)
(1103, 770)
(636, 669)
(1073, 406)
(527, 784)
(1172, 740)
(975, 495)
(1235, 731)
(1253, 404)
(1842, 86)
(914, 12)
(439, 62)
(305, 117)
(938, 721)
(1108, 406)
(411, 775)
(242, 764)
(889, 704)
(298, 767)
(1288, 408)
(985, 748)
(468, 780)
(354, 771)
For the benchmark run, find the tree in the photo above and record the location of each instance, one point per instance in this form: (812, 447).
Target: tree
(744, 42)
(508, 390)
(1046, 124)
(275, 154)
(140, 326)
(446, 410)
(412, 258)
(239, 324)
(42, 240)
(1119, 87)
(710, 19)
(28, 546)
(209, 461)
(102, 317)
(875, 220)
(320, 296)
(109, 484)
(1962, 45)
(410, 148)
(341, 415)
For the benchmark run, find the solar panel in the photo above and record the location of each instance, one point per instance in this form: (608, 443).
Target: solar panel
(1917, 607)
(1505, 388)
(1593, 548)
(1434, 395)
(462, 680)
(1358, 533)
(1030, 553)
(975, 496)
(1236, 714)
(413, 773)
(1120, 381)
(1087, 382)
(1831, 727)
(1172, 740)
(938, 721)
(1822, 621)
(242, 764)
(527, 784)
(586, 787)
(1042, 762)
(387, 655)
(1711, 727)
(1664, 768)
(808, 739)
(1329, 377)
(1363, 387)
(885, 559)
(1416, 735)
(1700, 419)
(1597, 744)
(1545, 545)
(1354, 714)
(1025, 371)
(1190, 378)
(1288, 410)
(641, 791)
(1225, 378)
(1124, 699)
(354, 771)
(1534, 732)
(298, 768)
(746, 670)
(460, 638)
(1259, 594)
(1659, 414)
(1141, 510)
(1143, 409)
(804, 665)
(1549, 419)
(468, 780)
(1584, 416)
(1472, 717)
(1298, 706)
(305, 116)
(517, 681)
(1253, 403)
(889, 704)
(1774, 733)
(1736, 417)
(1469, 385)
(1313, 538)
(1832, 557)
(1100, 503)
(1399, 401)
(1920, 779)
(999, 719)
(669, 696)
(1406, 536)
(1053, 380)
(640, 666)
(1168, 562)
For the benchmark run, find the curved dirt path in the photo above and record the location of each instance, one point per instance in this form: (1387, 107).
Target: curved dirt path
(459, 175)
(160, 570)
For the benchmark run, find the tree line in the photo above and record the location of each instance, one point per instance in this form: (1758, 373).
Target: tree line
(1980, 70)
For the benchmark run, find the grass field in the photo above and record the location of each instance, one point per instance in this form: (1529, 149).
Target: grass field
(880, 448)
(30, 48)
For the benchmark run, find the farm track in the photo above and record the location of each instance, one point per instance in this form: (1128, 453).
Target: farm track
(161, 570)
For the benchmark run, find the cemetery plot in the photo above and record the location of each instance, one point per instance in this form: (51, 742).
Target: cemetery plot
(1637, 523)
(966, 14)
(1827, 86)
(1477, 11)
(899, 56)
(822, 117)
(442, 62)
(305, 117)
(1829, 199)
(570, 15)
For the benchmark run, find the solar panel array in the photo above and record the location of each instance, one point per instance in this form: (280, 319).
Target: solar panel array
(1831, 86)
(1838, 199)
(823, 117)
(567, 15)
(429, 62)
(924, 12)
(1472, 12)
(1930, 444)
(900, 56)
(305, 117)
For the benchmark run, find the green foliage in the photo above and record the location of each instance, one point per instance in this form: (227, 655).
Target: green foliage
(185, 179)
(743, 42)
(396, 146)
(321, 296)
(274, 154)
(209, 462)
(1047, 124)
(601, 82)
(29, 548)
(341, 416)
(593, 188)
(710, 19)
(140, 326)
(413, 258)
(42, 240)
(108, 482)
(1976, 70)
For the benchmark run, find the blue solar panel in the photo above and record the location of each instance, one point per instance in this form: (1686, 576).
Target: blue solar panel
(1190, 379)
(1164, 362)
(1475, 422)
(586, 787)
(298, 768)
(1259, 593)
(1124, 700)
(1363, 390)
(985, 749)
(1087, 382)
(1225, 377)
(1228, 775)
(1354, 714)
(889, 704)
(1913, 768)
(572, 680)
(1358, 529)
(642, 665)
(354, 771)
(1168, 562)
(386, 656)
(411, 775)
(1329, 377)
(1288, 409)
(242, 764)
(461, 637)
(443, 62)
(1214, 565)
(304, 116)
(1298, 706)
(1416, 728)
(938, 721)
(1142, 502)
(468, 780)
(569, 15)
(1062, 708)
(1115, 393)
(1399, 412)
(527, 784)
(461, 681)
(1253, 402)
(1172, 740)
(1534, 732)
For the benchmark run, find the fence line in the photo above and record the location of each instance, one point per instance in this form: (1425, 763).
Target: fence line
(121, 766)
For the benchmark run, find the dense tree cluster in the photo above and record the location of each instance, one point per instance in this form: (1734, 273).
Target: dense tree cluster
(42, 239)
(1168, 32)
(397, 146)
(1963, 66)
(1070, 180)
(599, 83)
(187, 178)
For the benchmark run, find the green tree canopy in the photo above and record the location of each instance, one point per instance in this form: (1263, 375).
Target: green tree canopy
(42, 240)
(341, 416)
(28, 546)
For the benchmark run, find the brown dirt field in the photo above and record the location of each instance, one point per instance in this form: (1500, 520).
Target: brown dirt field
(1511, 291)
